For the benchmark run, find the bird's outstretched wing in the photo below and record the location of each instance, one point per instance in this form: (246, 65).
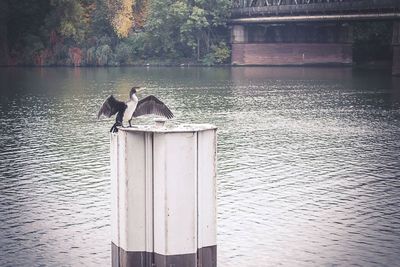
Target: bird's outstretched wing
(110, 107)
(152, 105)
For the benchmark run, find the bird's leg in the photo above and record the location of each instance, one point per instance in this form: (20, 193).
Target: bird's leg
(130, 125)
(114, 128)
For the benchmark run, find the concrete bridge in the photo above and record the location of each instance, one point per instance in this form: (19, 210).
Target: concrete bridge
(302, 32)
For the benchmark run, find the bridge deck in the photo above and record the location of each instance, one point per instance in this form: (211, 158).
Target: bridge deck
(276, 8)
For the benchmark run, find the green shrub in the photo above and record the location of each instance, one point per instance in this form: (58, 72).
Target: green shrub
(219, 54)
(138, 43)
(123, 53)
(33, 46)
(104, 55)
(91, 56)
(104, 40)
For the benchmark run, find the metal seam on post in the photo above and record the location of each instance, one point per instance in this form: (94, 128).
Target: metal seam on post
(118, 220)
(125, 183)
(126, 193)
(145, 195)
(152, 192)
(165, 201)
(197, 198)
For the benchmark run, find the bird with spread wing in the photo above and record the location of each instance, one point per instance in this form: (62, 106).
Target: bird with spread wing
(134, 107)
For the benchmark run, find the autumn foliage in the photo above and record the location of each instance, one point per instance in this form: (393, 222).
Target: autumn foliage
(113, 32)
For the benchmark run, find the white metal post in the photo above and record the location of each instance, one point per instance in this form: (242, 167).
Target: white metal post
(164, 196)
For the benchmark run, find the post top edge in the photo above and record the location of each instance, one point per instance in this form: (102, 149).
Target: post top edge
(172, 129)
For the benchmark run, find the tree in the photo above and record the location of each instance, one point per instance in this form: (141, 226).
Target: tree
(102, 31)
(189, 27)
(121, 17)
(24, 23)
(194, 27)
(67, 19)
(163, 27)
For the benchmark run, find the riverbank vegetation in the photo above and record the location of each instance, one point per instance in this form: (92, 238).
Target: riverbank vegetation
(138, 32)
(113, 32)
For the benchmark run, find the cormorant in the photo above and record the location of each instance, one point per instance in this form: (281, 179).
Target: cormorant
(132, 108)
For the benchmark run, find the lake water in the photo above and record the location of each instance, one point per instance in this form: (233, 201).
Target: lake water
(308, 162)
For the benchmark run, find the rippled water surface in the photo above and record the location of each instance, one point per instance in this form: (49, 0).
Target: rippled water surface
(309, 162)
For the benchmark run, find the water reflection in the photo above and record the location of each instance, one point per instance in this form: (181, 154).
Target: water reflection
(308, 162)
(290, 73)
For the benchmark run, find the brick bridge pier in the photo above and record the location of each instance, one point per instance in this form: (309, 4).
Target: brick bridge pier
(305, 32)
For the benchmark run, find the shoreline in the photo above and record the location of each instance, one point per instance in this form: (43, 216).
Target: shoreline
(372, 65)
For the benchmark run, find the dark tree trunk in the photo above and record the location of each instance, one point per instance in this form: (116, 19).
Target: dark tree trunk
(198, 48)
(3, 33)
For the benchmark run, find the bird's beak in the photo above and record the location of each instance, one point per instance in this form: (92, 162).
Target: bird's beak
(140, 89)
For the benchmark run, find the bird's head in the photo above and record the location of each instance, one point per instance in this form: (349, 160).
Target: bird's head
(134, 90)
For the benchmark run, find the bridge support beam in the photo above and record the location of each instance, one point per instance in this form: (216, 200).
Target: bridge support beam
(396, 48)
(292, 44)
(239, 34)
(239, 37)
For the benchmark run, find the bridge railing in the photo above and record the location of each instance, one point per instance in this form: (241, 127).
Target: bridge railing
(253, 3)
(246, 8)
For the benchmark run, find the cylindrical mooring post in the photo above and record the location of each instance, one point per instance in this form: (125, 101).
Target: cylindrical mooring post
(164, 196)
